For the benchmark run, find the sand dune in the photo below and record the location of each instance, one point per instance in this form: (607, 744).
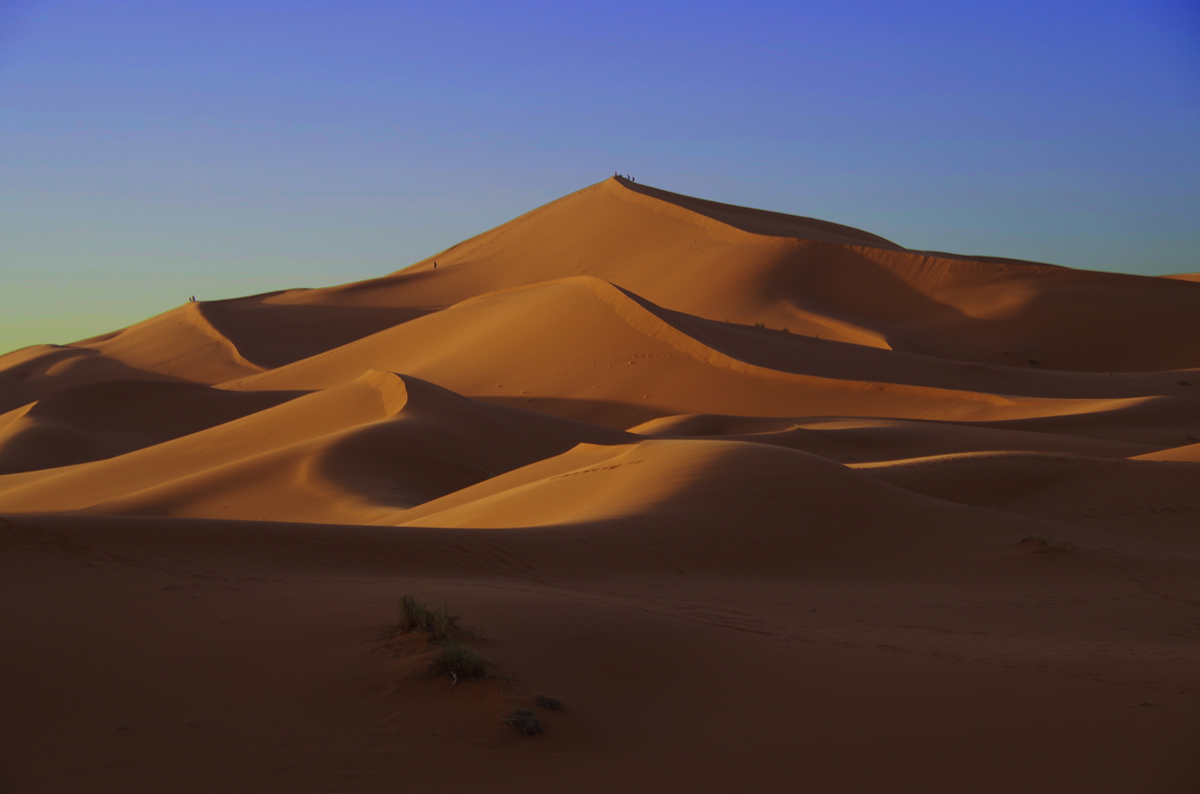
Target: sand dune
(100, 420)
(1152, 499)
(850, 440)
(341, 454)
(279, 328)
(1187, 453)
(178, 345)
(844, 285)
(437, 443)
(772, 503)
(587, 350)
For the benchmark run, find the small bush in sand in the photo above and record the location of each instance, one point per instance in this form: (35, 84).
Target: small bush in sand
(438, 623)
(441, 626)
(525, 721)
(549, 703)
(460, 662)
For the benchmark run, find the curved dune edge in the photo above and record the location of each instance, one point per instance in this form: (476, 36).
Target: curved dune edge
(135, 346)
(722, 220)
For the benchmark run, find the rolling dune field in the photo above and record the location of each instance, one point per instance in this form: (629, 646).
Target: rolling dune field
(770, 503)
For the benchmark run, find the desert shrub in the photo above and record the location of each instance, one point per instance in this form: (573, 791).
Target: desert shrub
(525, 721)
(549, 703)
(438, 623)
(460, 661)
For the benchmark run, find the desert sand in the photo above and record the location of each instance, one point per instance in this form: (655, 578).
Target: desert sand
(770, 503)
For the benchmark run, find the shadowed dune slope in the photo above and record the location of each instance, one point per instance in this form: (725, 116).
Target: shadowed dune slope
(731, 506)
(100, 420)
(685, 484)
(281, 327)
(1150, 500)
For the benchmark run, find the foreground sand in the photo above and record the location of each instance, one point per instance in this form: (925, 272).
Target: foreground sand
(771, 504)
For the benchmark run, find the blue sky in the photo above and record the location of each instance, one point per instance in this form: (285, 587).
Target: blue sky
(152, 150)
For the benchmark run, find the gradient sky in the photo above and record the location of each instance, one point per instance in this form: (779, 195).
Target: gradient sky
(154, 150)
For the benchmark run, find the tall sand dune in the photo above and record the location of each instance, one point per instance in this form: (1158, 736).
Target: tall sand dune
(769, 502)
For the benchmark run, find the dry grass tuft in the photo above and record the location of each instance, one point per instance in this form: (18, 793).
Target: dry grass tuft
(438, 623)
(460, 662)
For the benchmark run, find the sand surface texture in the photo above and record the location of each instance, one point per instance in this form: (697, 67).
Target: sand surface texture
(770, 504)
